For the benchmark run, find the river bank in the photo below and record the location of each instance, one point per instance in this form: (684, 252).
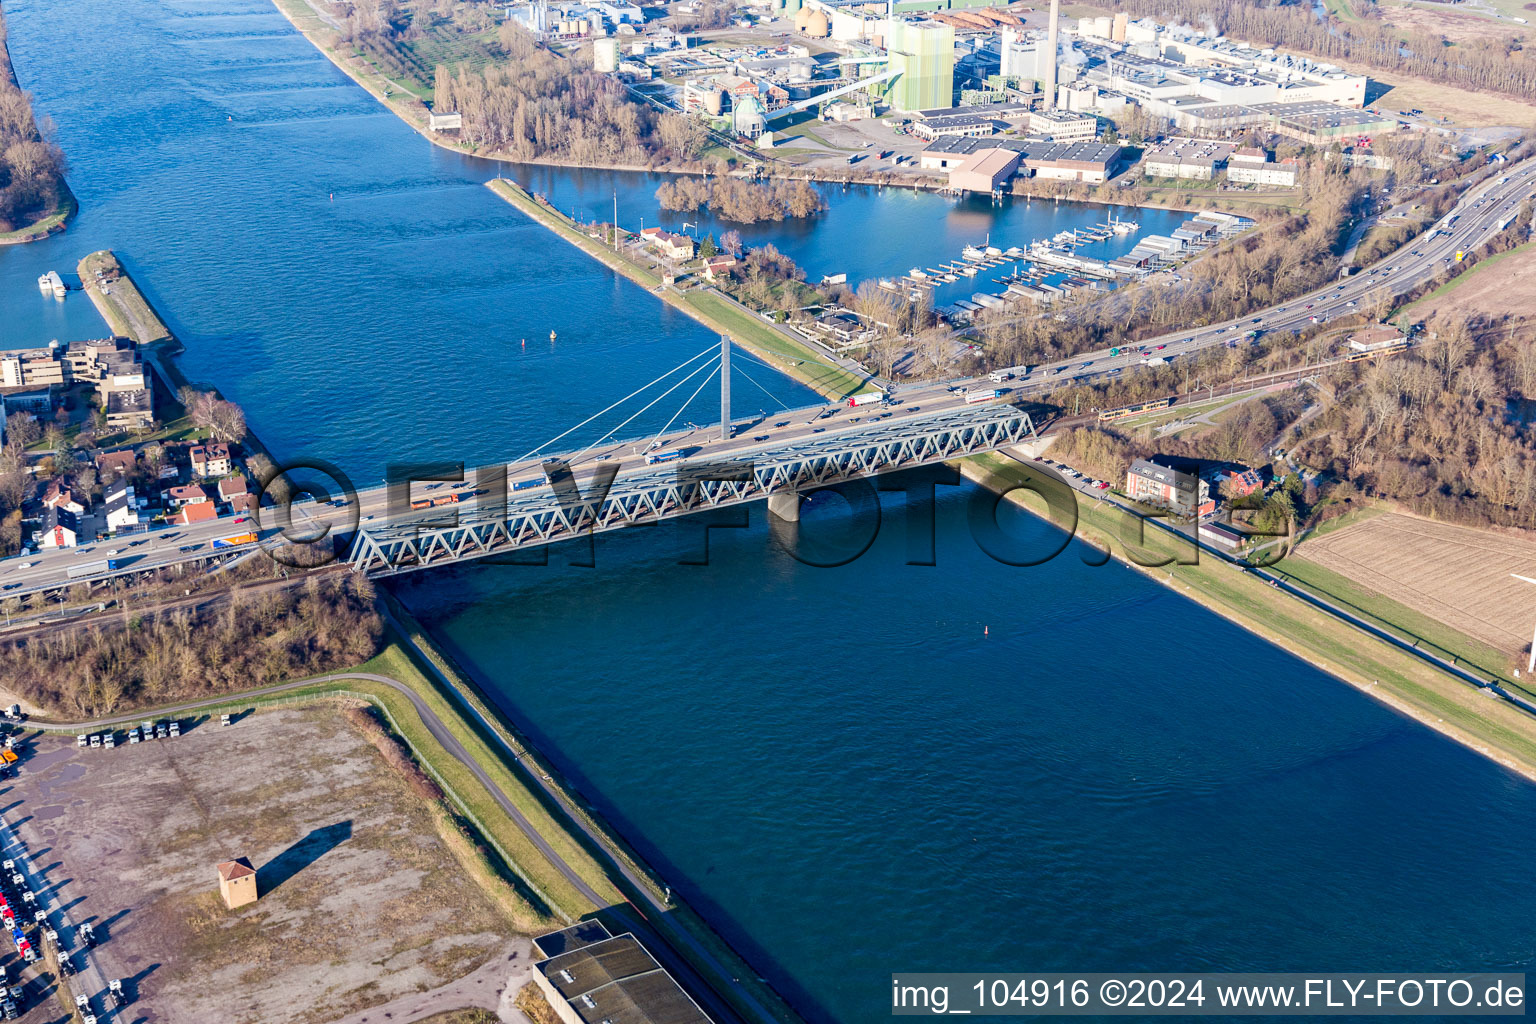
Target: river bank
(1408, 685)
(309, 24)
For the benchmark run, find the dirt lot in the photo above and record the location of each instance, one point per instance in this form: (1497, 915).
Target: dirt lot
(361, 900)
(1454, 25)
(1506, 285)
(1456, 574)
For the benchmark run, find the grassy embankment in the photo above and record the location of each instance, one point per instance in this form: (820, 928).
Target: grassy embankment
(715, 311)
(1397, 679)
(614, 848)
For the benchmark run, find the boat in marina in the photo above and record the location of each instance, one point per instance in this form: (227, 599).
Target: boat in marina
(52, 282)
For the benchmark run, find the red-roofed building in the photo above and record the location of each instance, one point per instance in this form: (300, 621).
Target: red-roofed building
(197, 512)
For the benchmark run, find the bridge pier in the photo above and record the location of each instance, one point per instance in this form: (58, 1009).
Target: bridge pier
(785, 505)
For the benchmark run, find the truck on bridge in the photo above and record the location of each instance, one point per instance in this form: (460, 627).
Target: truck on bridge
(74, 572)
(235, 541)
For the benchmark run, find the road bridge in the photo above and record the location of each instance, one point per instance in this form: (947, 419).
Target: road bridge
(932, 421)
(610, 497)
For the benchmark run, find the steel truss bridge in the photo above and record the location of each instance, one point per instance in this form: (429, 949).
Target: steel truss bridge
(614, 496)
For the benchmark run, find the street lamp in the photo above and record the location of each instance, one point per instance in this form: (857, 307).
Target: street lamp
(1530, 665)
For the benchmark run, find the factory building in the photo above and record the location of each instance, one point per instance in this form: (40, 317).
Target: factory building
(923, 55)
(1191, 159)
(1083, 161)
(1064, 126)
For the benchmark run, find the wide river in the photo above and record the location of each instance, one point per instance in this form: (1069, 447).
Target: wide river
(851, 771)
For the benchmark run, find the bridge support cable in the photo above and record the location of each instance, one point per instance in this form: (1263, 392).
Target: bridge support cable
(609, 435)
(764, 390)
(707, 352)
(702, 385)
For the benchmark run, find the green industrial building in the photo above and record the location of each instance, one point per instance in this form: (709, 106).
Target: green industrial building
(923, 52)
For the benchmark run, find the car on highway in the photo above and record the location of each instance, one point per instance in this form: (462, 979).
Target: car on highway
(186, 548)
(778, 425)
(1161, 347)
(25, 565)
(242, 519)
(761, 437)
(1084, 366)
(114, 551)
(10, 586)
(819, 430)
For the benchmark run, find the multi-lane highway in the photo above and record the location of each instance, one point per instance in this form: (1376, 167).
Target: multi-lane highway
(796, 433)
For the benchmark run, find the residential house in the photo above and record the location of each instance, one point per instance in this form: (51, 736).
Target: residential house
(191, 494)
(235, 492)
(677, 247)
(210, 460)
(718, 266)
(110, 465)
(61, 528)
(62, 495)
(121, 507)
(1176, 486)
(1236, 481)
(195, 512)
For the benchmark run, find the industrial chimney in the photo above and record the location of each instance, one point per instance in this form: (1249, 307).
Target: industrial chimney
(1053, 43)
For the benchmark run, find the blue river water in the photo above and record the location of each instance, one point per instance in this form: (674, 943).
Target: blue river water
(851, 771)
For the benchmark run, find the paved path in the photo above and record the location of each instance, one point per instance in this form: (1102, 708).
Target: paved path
(493, 986)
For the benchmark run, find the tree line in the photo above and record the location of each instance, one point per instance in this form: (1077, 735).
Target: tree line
(327, 623)
(537, 106)
(740, 200)
(32, 167)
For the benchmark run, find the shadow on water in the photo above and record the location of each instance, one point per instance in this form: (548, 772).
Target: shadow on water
(301, 855)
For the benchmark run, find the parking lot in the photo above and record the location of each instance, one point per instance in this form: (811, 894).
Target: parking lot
(361, 899)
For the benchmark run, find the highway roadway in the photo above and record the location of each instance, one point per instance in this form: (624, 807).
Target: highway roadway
(791, 434)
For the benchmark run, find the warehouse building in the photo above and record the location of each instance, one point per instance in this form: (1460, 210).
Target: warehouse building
(1080, 161)
(590, 976)
(986, 171)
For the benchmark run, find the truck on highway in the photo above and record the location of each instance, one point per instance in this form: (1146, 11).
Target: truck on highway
(868, 398)
(441, 499)
(651, 458)
(74, 572)
(982, 395)
(234, 541)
